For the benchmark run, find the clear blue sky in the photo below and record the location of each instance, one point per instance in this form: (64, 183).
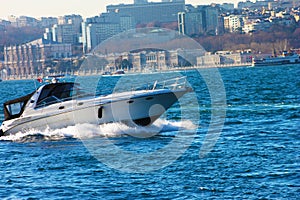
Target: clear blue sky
(86, 8)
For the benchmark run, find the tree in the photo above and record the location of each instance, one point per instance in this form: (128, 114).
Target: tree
(19, 35)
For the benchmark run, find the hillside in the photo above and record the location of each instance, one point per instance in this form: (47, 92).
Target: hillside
(277, 38)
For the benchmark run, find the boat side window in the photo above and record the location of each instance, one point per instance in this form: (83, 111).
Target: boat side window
(15, 109)
(63, 92)
(44, 94)
(48, 101)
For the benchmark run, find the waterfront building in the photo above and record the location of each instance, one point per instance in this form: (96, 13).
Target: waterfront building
(144, 12)
(208, 60)
(156, 60)
(173, 59)
(147, 60)
(231, 58)
(33, 57)
(224, 58)
(138, 61)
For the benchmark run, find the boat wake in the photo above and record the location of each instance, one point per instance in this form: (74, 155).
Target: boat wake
(161, 127)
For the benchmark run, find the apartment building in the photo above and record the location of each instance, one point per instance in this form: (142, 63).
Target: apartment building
(233, 23)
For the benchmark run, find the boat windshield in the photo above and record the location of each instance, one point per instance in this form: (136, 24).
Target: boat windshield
(58, 92)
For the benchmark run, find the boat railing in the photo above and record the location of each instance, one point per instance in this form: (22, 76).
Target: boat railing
(175, 83)
(171, 84)
(75, 93)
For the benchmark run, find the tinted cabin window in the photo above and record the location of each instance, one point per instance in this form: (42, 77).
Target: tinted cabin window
(54, 93)
(15, 109)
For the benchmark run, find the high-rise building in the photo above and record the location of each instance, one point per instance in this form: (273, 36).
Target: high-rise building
(144, 12)
(67, 30)
(65, 33)
(195, 21)
(75, 20)
(190, 23)
(48, 34)
(210, 18)
(181, 23)
(95, 33)
(97, 29)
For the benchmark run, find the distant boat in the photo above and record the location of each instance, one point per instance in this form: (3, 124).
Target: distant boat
(285, 58)
(119, 72)
(106, 73)
(57, 78)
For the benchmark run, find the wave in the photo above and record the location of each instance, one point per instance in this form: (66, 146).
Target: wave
(86, 131)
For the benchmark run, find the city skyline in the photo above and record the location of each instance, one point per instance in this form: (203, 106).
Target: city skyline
(88, 8)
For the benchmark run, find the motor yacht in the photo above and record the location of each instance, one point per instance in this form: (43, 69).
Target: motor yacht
(58, 105)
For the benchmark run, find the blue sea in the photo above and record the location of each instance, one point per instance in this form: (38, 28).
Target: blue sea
(237, 136)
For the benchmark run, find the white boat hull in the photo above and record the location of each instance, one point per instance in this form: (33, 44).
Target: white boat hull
(141, 109)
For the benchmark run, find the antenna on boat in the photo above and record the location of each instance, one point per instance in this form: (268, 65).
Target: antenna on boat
(34, 84)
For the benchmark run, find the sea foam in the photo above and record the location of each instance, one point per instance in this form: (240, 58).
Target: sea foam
(87, 131)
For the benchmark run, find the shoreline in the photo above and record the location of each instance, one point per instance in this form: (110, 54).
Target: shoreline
(96, 72)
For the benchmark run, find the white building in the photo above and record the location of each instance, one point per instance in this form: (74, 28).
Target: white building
(233, 23)
(67, 30)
